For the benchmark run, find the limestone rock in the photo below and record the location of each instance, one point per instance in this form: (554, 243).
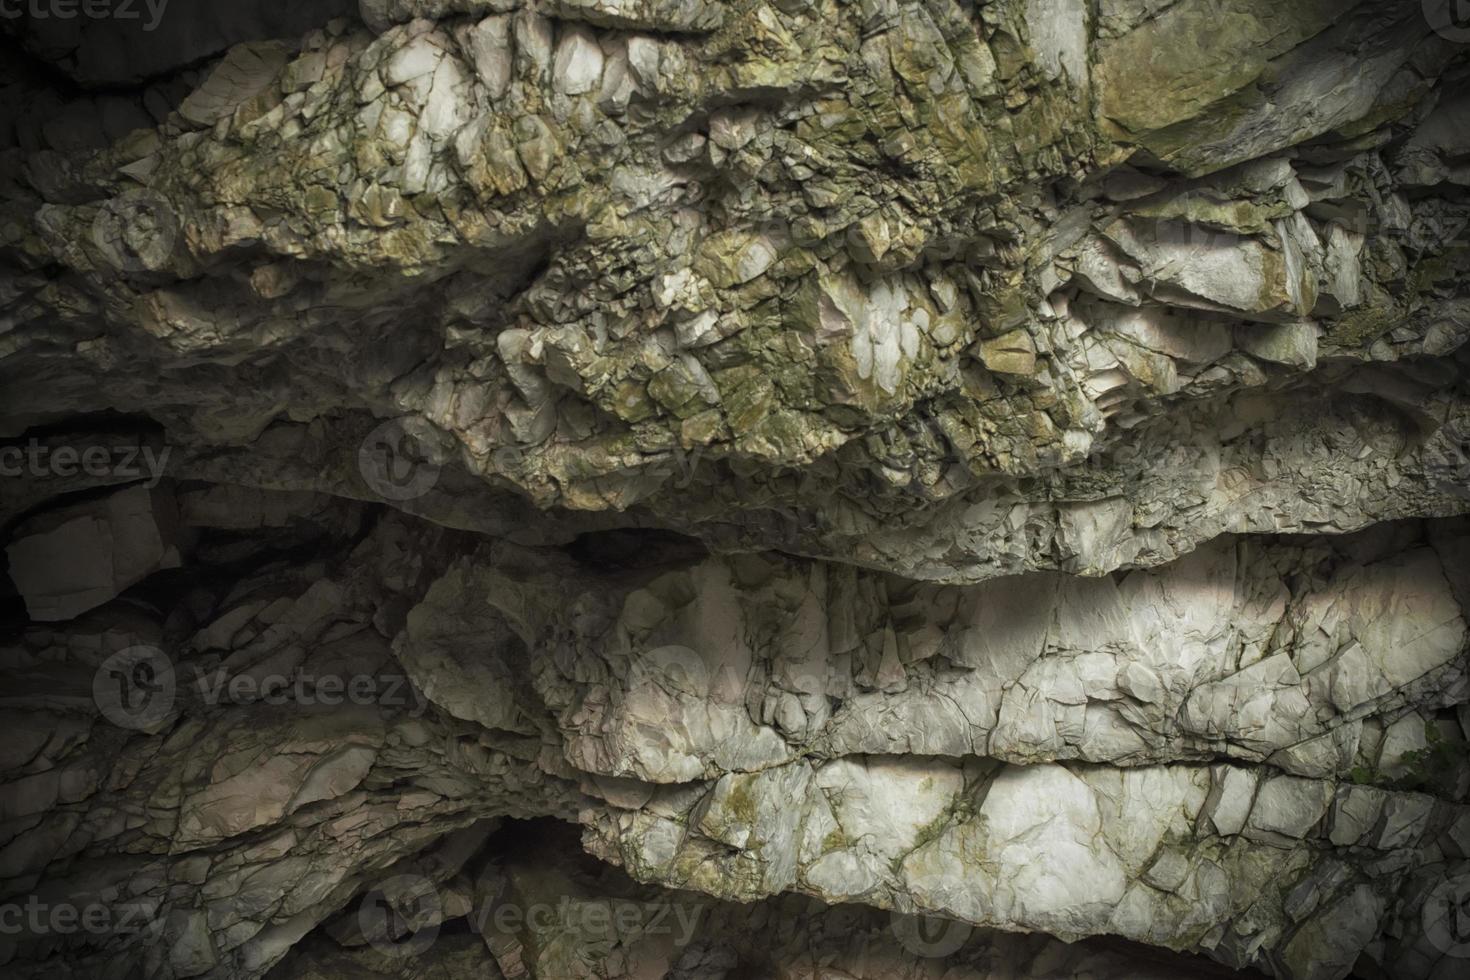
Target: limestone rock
(689, 490)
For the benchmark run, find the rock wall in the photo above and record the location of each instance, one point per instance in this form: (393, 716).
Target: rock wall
(772, 489)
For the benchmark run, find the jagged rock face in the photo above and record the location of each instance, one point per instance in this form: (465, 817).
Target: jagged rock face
(1256, 753)
(692, 490)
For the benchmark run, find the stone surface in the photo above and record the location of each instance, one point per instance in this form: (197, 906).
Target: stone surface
(669, 489)
(67, 561)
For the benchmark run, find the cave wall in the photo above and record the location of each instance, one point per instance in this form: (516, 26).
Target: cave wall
(915, 488)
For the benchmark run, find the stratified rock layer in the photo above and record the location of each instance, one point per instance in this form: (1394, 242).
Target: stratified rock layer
(930, 471)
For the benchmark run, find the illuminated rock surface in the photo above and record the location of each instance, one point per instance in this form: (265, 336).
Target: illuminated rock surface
(802, 489)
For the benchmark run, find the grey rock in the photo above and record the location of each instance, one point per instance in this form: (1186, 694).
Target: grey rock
(878, 490)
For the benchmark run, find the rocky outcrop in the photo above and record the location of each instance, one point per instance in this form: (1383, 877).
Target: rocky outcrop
(1246, 753)
(795, 489)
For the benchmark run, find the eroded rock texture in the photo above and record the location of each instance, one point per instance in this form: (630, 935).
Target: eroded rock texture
(772, 489)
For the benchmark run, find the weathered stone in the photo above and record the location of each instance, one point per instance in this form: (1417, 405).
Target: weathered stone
(849, 462)
(67, 561)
